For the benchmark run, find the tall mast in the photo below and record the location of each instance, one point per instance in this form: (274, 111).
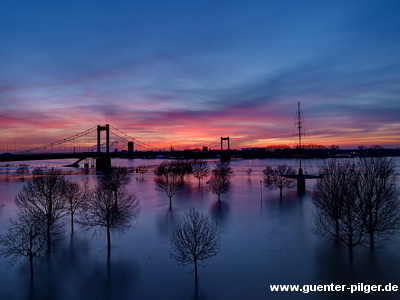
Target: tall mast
(299, 126)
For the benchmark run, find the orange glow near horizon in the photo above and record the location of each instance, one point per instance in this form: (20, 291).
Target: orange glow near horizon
(180, 139)
(162, 127)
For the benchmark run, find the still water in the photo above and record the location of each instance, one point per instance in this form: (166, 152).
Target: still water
(265, 240)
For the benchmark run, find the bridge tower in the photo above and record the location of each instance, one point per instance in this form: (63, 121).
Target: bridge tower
(225, 156)
(103, 163)
(222, 143)
(107, 130)
(130, 147)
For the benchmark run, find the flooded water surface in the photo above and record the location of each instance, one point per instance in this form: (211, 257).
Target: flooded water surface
(265, 241)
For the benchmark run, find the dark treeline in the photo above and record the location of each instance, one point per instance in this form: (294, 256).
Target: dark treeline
(311, 151)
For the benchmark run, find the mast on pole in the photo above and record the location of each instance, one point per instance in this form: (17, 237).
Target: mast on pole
(299, 126)
(300, 176)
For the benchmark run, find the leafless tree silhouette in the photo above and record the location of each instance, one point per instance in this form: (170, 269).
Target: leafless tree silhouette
(108, 209)
(44, 195)
(114, 180)
(220, 181)
(25, 237)
(195, 239)
(337, 205)
(141, 170)
(379, 198)
(275, 178)
(200, 169)
(22, 170)
(75, 196)
(359, 202)
(181, 168)
(167, 180)
(327, 194)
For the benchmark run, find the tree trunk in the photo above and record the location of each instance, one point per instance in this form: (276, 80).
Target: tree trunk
(170, 202)
(31, 264)
(72, 222)
(350, 245)
(337, 229)
(372, 240)
(48, 235)
(350, 252)
(196, 278)
(109, 239)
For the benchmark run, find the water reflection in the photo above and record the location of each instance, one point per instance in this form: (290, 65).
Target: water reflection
(167, 221)
(263, 242)
(91, 277)
(220, 211)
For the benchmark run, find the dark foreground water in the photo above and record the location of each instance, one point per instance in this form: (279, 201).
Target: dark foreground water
(265, 241)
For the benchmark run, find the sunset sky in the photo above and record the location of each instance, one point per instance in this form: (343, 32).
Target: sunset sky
(184, 73)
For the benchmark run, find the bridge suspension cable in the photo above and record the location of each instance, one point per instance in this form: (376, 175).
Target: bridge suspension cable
(216, 142)
(233, 141)
(59, 142)
(129, 138)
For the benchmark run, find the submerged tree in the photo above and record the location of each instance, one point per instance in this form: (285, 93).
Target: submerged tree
(279, 177)
(195, 239)
(357, 202)
(44, 196)
(220, 181)
(200, 169)
(379, 205)
(25, 237)
(328, 191)
(22, 170)
(75, 196)
(167, 180)
(106, 209)
(337, 205)
(142, 169)
(181, 168)
(114, 180)
(249, 171)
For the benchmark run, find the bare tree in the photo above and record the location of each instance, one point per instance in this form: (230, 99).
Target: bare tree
(141, 169)
(114, 180)
(25, 237)
(379, 198)
(101, 211)
(44, 195)
(327, 194)
(337, 216)
(22, 170)
(195, 239)
(181, 168)
(200, 169)
(167, 180)
(75, 196)
(278, 178)
(220, 181)
(249, 171)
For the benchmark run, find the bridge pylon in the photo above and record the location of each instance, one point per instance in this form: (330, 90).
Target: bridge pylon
(107, 130)
(103, 163)
(222, 142)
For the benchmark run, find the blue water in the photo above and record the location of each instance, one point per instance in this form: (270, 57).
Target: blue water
(265, 240)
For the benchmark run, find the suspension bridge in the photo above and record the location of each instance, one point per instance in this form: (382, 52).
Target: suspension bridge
(102, 143)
